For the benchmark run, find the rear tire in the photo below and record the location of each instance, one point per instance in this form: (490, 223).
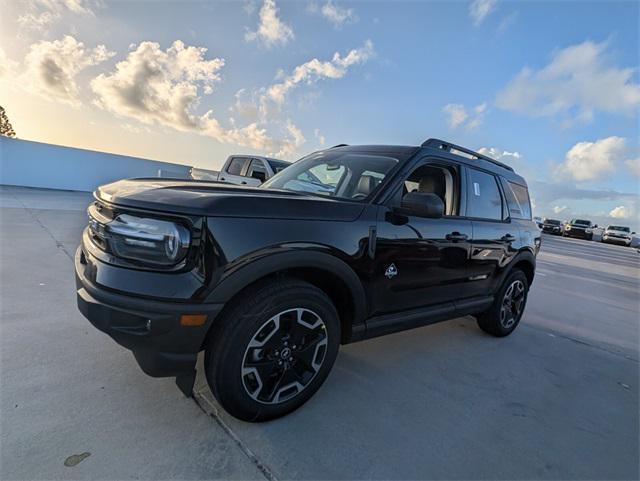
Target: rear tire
(505, 313)
(272, 349)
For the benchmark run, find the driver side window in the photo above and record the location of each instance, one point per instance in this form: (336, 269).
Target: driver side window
(438, 179)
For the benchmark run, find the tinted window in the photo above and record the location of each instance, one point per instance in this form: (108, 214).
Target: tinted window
(235, 166)
(436, 179)
(256, 166)
(517, 200)
(483, 196)
(581, 222)
(277, 166)
(617, 227)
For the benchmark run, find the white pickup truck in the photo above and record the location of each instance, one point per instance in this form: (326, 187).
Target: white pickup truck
(242, 170)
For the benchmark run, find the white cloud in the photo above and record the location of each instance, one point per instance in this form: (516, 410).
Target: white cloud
(501, 155)
(156, 86)
(319, 137)
(271, 30)
(479, 10)
(620, 212)
(576, 83)
(40, 14)
(634, 166)
(51, 67)
(335, 14)
(591, 160)
(560, 209)
(295, 141)
(165, 87)
(459, 116)
(314, 70)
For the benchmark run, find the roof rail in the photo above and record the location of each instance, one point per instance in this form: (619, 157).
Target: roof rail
(339, 145)
(448, 147)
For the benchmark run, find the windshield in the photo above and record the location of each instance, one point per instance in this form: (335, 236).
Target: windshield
(617, 227)
(345, 175)
(581, 222)
(552, 221)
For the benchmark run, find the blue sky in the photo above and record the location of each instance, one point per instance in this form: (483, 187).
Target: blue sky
(549, 87)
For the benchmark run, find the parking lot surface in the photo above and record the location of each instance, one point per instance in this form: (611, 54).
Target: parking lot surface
(556, 400)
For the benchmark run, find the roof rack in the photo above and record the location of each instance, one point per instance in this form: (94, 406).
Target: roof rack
(448, 147)
(339, 145)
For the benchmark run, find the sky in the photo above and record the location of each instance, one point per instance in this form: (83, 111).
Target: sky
(551, 88)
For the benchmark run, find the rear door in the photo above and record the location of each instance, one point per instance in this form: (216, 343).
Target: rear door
(233, 170)
(495, 236)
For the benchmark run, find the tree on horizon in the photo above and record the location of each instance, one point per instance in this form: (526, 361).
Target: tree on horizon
(6, 128)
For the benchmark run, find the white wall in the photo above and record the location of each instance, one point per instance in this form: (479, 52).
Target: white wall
(34, 164)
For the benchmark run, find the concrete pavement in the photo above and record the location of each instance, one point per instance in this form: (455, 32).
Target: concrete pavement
(556, 400)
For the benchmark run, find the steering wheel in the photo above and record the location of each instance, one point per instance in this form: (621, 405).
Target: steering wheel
(359, 195)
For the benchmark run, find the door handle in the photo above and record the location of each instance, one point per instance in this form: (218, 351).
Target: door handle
(456, 236)
(243, 183)
(222, 178)
(508, 238)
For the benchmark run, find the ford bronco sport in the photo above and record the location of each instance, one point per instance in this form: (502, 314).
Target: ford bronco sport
(346, 244)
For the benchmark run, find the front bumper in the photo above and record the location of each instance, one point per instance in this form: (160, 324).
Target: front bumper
(551, 230)
(150, 329)
(616, 240)
(579, 233)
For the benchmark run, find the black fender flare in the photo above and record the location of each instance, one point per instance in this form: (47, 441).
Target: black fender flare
(525, 255)
(292, 259)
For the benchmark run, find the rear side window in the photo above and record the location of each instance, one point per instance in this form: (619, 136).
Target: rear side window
(256, 166)
(517, 200)
(483, 196)
(235, 166)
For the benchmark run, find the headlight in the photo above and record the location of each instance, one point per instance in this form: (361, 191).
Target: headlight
(567, 227)
(588, 231)
(152, 241)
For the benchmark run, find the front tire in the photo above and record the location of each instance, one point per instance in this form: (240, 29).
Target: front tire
(273, 349)
(505, 313)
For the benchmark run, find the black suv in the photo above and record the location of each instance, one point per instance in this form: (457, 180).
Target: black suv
(578, 228)
(347, 244)
(552, 226)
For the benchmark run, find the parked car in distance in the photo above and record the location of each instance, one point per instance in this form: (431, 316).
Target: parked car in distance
(616, 234)
(578, 228)
(552, 226)
(347, 244)
(250, 170)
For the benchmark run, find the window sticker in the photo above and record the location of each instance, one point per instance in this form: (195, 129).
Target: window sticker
(476, 189)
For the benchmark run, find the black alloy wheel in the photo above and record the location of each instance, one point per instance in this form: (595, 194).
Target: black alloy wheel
(272, 348)
(284, 356)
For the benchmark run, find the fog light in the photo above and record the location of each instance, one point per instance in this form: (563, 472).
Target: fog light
(193, 319)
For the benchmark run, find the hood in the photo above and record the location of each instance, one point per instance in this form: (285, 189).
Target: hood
(217, 199)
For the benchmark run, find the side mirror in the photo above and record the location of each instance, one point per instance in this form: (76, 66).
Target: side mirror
(261, 176)
(421, 204)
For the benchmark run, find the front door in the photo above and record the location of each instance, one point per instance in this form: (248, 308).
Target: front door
(420, 261)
